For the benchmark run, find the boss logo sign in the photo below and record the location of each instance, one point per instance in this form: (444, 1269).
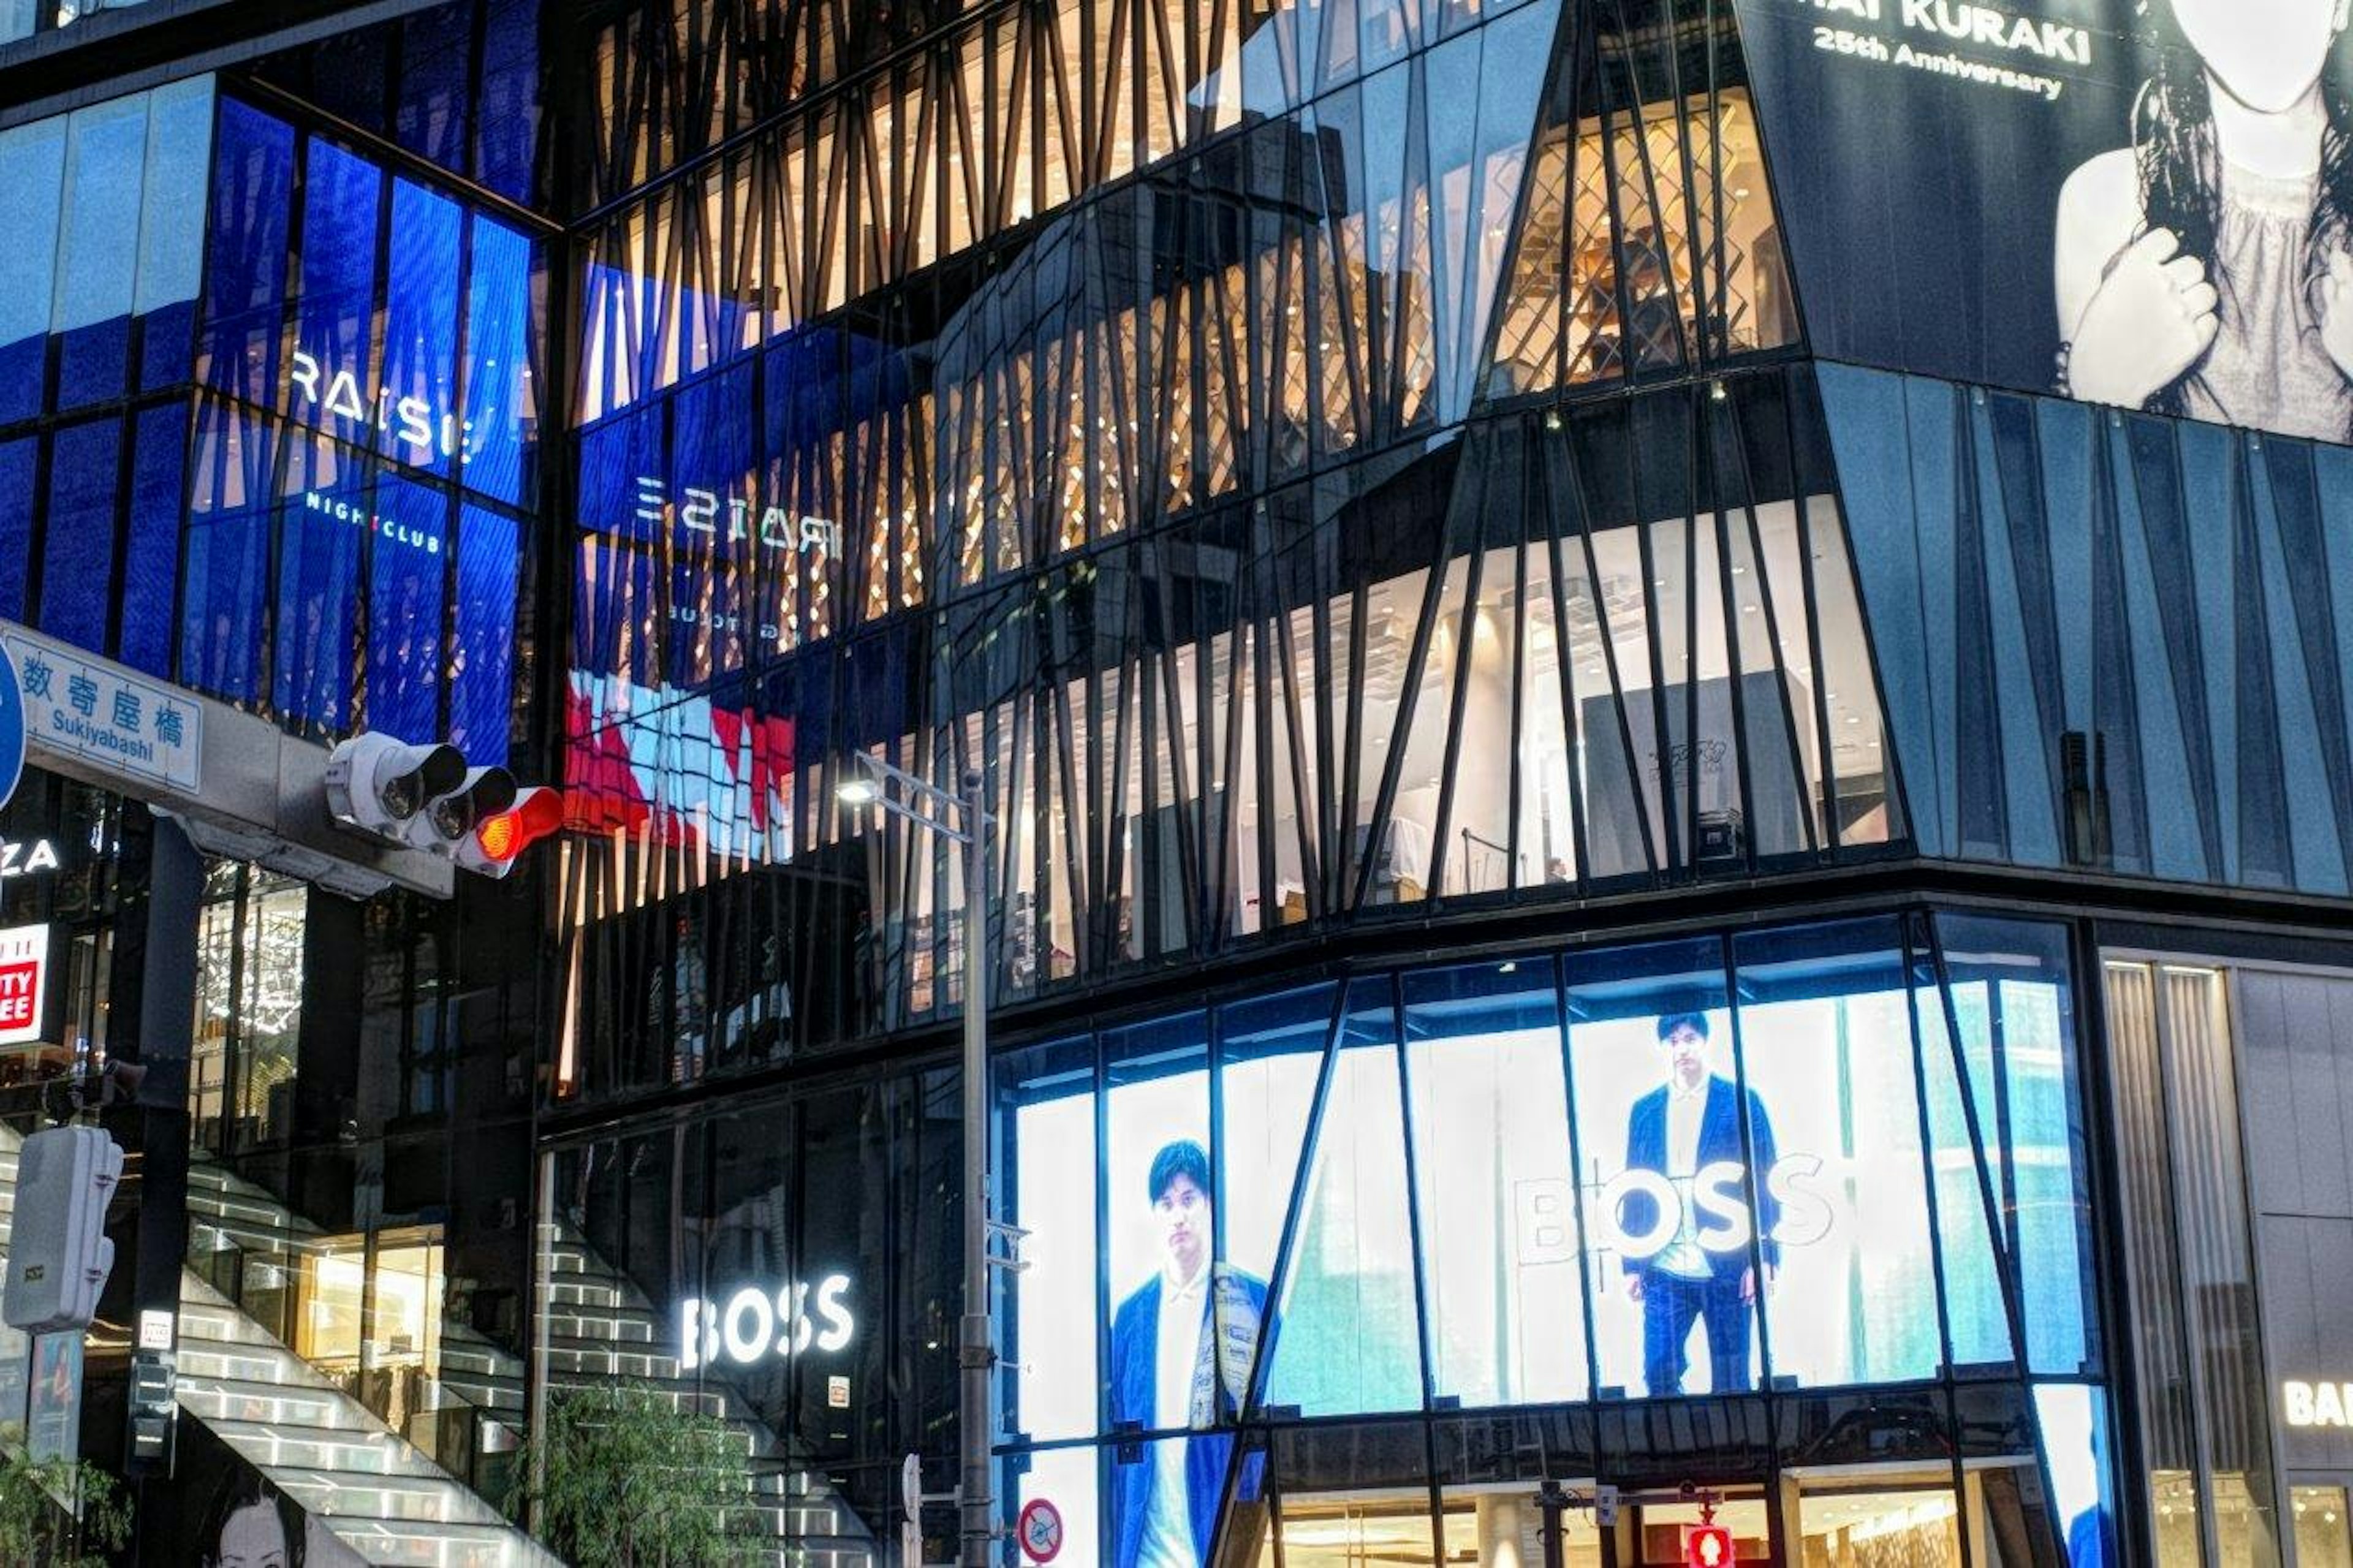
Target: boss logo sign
(757, 1323)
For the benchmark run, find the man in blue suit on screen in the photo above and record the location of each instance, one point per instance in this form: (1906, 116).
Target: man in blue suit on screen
(1181, 1348)
(1704, 1271)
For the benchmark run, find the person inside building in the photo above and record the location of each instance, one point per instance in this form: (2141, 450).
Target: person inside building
(1181, 1348)
(1705, 1272)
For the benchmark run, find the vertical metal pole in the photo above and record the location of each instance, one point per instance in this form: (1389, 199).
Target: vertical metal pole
(1551, 1503)
(978, 1424)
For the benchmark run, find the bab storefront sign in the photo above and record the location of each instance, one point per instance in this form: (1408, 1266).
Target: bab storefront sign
(2042, 196)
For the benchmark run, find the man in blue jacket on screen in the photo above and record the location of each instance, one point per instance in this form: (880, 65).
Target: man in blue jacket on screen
(1181, 1348)
(1704, 1271)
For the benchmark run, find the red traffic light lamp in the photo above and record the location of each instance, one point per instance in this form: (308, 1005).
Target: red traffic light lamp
(1708, 1546)
(496, 842)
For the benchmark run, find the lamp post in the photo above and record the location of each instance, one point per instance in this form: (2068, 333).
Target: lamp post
(963, 820)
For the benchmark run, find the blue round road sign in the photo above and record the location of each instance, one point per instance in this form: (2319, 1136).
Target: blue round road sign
(12, 726)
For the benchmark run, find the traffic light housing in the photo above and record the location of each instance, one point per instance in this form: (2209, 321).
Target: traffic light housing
(418, 797)
(1708, 1546)
(498, 840)
(58, 1254)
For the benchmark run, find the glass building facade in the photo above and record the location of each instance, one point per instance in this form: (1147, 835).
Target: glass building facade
(1631, 844)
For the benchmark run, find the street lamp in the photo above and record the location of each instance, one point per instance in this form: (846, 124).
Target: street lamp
(963, 820)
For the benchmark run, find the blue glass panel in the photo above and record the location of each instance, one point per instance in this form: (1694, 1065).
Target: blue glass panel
(506, 131)
(321, 528)
(1977, 1313)
(77, 551)
(172, 229)
(227, 560)
(245, 255)
(32, 187)
(406, 592)
(622, 490)
(2012, 996)
(482, 673)
(1864, 410)
(332, 382)
(713, 524)
(98, 249)
(151, 552)
(502, 405)
(2309, 751)
(430, 111)
(19, 461)
(417, 412)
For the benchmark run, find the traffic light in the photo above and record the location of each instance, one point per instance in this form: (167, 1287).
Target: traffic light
(1707, 1546)
(497, 840)
(421, 797)
(59, 1256)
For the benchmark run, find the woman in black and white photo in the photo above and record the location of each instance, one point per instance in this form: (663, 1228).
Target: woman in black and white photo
(2204, 270)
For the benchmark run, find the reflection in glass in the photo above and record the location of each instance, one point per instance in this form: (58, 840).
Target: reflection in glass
(2323, 1535)
(1855, 1268)
(1492, 1168)
(1357, 1529)
(1670, 1215)
(1916, 1527)
(1348, 1339)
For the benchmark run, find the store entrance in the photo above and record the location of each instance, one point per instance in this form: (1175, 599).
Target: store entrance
(1831, 1516)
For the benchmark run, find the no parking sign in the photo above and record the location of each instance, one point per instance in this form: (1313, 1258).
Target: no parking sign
(1041, 1529)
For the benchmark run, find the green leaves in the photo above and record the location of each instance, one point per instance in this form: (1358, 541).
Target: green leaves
(620, 1476)
(39, 1502)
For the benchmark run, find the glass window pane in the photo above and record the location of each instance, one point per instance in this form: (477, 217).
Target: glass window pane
(172, 229)
(2324, 1538)
(502, 402)
(1825, 1035)
(481, 670)
(246, 254)
(98, 248)
(1347, 1340)
(32, 187)
(19, 461)
(417, 407)
(151, 557)
(406, 548)
(2073, 1422)
(77, 551)
(321, 531)
(332, 382)
(1046, 1119)
(1661, 1159)
(1494, 1173)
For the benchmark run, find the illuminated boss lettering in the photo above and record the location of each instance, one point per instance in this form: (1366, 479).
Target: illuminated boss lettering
(412, 421)
(1547, 1230)
(755, 1323)
(2318, 1403)
(700, 510)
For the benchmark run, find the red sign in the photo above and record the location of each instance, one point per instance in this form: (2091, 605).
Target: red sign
(1708, 1546)
(1040, 1530)
(24, 964)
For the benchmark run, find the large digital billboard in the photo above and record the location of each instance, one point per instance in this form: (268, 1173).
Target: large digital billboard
(2137, 203)
(1800, 1170)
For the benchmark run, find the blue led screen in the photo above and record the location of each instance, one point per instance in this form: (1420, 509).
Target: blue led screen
(84, 462)
(329, 577)
(321, 527)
